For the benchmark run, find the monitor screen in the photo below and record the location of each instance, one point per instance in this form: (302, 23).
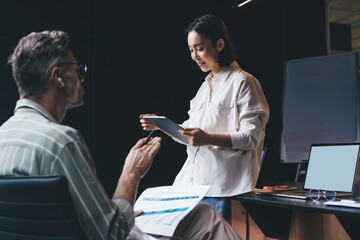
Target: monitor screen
(332, 167)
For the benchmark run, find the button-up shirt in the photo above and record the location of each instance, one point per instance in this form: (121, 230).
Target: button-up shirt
(33, 143)
(233, 104)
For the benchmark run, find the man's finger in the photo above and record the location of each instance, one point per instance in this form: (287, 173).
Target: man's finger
(153, 146)
(138, 212)
(153, 151)
(139, 143)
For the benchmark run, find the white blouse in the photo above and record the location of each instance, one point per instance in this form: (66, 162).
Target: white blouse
(236, 105)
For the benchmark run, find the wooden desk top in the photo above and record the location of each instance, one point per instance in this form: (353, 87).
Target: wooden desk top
(300, 204)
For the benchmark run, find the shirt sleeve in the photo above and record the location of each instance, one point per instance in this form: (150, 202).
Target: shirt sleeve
(253, 113)
(250, 134)
(100, 217)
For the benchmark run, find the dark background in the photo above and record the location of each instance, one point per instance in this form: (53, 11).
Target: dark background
(139, 62)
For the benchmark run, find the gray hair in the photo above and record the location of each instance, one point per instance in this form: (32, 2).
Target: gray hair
(33, 59)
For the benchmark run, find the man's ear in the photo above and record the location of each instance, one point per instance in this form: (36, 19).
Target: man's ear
(220, 44)
(55, 74)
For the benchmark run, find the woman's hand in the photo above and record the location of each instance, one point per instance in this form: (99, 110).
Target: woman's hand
(147, 125)
(196, 136)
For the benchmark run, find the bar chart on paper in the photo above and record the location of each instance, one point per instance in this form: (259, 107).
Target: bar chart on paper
(164, 207)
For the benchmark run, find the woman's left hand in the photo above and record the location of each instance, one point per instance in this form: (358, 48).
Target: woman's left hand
(196, 136)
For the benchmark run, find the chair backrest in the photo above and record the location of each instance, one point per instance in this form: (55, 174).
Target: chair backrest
(37, 208)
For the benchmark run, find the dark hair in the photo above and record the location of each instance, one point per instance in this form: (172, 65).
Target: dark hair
(213, 28)
(34, 57)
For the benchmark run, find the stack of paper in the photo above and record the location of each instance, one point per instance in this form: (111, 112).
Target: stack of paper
(164, 207)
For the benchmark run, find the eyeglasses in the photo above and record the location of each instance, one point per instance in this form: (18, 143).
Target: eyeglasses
(316, 194)
(81, 68)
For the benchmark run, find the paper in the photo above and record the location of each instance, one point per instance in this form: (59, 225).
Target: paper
(164, 207)
(344, 203)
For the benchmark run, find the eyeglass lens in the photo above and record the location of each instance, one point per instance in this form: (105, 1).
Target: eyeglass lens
(82, 69)
(330, 195)
(315, 195)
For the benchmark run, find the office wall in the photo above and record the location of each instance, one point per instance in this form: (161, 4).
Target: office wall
(148, 70)
(139, 63)
(19, 18)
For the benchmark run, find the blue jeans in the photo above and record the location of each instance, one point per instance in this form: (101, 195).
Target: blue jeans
(221, 204)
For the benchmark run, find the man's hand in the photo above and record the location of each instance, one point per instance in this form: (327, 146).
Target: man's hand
(140, 158)
(137, 163)
(138, 212)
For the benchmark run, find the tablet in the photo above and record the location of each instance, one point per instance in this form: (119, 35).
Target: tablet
(167, 126)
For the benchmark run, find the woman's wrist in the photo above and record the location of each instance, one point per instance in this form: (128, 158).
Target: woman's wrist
(220, 140)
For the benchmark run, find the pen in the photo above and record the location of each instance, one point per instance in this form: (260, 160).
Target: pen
(148, 138)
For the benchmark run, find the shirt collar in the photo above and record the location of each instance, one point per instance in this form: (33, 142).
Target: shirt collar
(26, 103)
(223, 73)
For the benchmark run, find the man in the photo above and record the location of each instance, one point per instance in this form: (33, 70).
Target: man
(33, 142)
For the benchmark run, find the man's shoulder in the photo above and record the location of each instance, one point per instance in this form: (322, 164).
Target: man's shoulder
(38, 130)
(62, 134)
(67, 133)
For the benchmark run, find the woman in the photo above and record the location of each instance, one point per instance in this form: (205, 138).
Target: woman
(227, 118)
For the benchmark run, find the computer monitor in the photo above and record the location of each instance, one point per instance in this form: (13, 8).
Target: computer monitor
(332, 167)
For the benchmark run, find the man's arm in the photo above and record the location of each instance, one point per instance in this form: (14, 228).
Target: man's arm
(100, 217)
(136, 165)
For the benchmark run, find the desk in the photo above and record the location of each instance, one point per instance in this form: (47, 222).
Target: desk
(274, 215)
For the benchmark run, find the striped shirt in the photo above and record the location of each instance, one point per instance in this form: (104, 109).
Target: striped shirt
(33, 143)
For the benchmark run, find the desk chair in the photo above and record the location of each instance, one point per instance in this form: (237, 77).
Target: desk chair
(37, 208)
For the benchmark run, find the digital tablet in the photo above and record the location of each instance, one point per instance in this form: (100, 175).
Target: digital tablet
(167, 126)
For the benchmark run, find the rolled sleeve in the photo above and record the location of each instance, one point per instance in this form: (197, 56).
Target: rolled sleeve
(128, 211)
(251, 132)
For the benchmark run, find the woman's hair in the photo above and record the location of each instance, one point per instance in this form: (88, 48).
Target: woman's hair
(34, 57)
(213, 28)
